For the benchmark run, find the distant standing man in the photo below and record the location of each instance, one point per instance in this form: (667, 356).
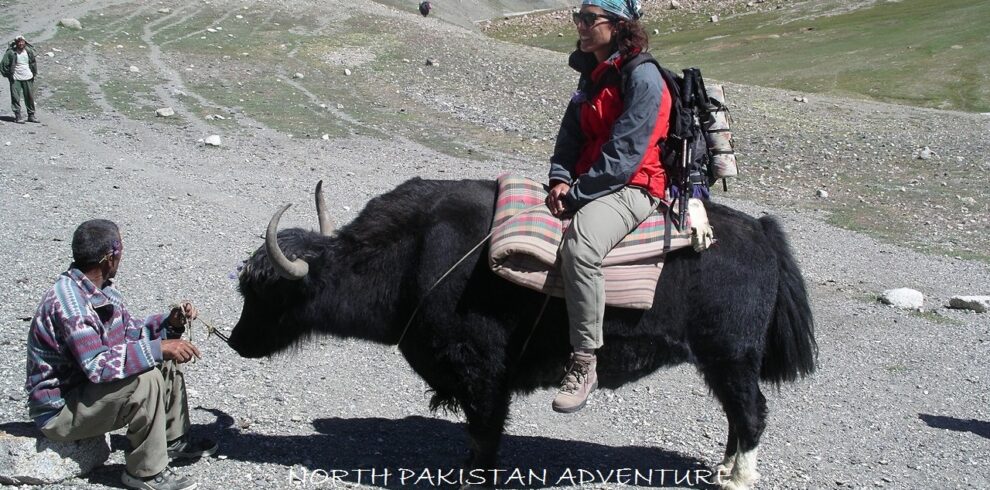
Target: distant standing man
(93, 368)
(20, 67)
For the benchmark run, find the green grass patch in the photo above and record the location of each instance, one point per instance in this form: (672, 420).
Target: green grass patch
(70, 93)
(930, 53)
(933, 317)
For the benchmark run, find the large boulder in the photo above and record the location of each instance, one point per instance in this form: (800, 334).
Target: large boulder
(979, 304)
(69, 23)
(906, 298)
(28, 457)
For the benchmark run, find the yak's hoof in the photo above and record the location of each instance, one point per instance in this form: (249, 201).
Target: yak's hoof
(740, 482)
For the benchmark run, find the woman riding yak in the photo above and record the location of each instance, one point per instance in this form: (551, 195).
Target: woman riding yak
(605, 171)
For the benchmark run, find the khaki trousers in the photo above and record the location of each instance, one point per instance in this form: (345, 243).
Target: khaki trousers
(596, 228)
(152, 405)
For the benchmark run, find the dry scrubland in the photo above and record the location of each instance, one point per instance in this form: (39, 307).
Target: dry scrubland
(901, 399)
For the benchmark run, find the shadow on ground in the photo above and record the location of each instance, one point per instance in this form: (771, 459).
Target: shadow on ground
(977, 427)
(421, 452)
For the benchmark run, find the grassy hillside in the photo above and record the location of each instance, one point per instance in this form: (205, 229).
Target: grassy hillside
(928, 53)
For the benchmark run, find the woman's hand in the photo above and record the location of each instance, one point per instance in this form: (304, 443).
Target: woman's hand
(555, 199)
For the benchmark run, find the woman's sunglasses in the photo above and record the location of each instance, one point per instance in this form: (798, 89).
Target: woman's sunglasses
(588, 19)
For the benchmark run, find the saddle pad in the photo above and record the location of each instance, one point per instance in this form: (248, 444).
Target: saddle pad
(525, 239)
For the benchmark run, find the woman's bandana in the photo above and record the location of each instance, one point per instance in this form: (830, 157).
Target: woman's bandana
(627, 9)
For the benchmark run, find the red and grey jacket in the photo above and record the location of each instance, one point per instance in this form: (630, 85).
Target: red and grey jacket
(609, 135)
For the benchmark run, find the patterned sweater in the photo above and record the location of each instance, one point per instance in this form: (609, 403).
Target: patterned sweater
(83, 334)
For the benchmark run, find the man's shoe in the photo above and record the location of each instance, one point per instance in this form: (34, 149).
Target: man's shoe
(579, 381)
(33, 119)
(186, 447)
(17, 118)
(166, 480)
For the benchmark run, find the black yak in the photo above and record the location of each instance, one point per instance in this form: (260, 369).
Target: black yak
(739, 311)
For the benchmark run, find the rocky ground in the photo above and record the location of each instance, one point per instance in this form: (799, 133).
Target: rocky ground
(900, 399)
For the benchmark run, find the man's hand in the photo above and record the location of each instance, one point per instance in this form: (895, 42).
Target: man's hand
(555, 199)
(179, 351)
(179, 315)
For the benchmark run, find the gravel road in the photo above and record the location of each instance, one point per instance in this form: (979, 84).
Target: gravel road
(901, 399)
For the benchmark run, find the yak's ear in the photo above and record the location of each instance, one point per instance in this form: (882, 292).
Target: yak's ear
(326, 227)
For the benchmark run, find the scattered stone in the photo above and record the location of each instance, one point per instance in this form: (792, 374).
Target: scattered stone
(70, 24)
(298, 76)
(28, 457)
(50, 54)
(979, 304)
(904, 298)
(165, 10)
(295, 418)
(713, 19)
(6, 144)
(347, 72)
(924, 153)
(432, 62)
(656, 32)
(340, 106)
(822, 193)
(210, 30)
(674, 5)
(325, 137)
(165, 112)
(803, 100)
(212, 140)
(134, 69)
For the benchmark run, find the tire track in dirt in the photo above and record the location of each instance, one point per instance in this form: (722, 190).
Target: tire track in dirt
(174, 79)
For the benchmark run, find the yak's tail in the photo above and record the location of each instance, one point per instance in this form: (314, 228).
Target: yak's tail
(791, 350)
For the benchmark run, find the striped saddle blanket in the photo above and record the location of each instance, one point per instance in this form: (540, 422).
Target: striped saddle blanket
(525, 239)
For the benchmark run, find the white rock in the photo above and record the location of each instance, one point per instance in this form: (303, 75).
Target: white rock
(6, 144)
(979, 304)
(924, 153)
(212, 140)
(165, 112)
(674, 5)
(70, 23)
(165, 10)
(347, 71)
(340, 106)
(904, 298)
(822, 193)
(238, 16)
(134, 69)
(325, 137)
(27, 457)
(50, 54)
(210, 30)
(299, 76)
(656, 32)
(713, 18)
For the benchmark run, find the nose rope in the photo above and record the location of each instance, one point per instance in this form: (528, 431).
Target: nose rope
(210, 329)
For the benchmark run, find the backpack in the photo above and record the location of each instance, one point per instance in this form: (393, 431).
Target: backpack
(697, 151)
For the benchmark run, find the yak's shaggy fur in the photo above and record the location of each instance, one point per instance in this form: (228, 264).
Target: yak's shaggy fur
(739, 312)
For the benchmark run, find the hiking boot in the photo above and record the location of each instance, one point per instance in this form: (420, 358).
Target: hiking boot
(186, 447)
(166, 480)
(17, 118)
(579, 381)
(33, 119)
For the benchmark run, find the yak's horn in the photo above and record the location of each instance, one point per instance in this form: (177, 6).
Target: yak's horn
(326, 227)
(289, 269)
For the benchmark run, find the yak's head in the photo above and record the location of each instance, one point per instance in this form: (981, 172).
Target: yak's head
(280, 283)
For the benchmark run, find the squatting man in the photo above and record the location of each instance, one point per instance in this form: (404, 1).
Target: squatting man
(93, 368)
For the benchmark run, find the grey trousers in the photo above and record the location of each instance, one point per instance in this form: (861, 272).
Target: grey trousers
(151, 405)
(596, 228)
